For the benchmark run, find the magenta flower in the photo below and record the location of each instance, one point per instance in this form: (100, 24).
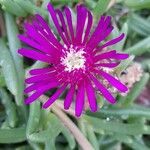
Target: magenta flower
(76, 63)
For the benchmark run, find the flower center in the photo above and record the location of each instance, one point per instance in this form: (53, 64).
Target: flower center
(73, 59)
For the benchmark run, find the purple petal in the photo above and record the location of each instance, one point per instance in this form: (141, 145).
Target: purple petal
(113, 81)
(69, 20)
(121, 56)
(69, 97)
(37, 86)
(52, 49)
(54, 97)
(52, 37)
(33, 97)
(55, 20)
(91, 96)
(81, 17)
(108, 65)
(31, 42)
(88, 28)
(98, 29)
(49, 76)
(33, 87)
(40, 29)
(80, 100)
(106, 55)
(106, 34)
(39, 38)
(61, 17)
(41, 71)
(102, 37)
(107, 22)
(102, 30)
(112, 42)
(38, 93)
(111, 55)
(35, 55)
(103, 90)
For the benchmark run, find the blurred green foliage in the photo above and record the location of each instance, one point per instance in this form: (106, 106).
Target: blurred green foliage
(123, 126)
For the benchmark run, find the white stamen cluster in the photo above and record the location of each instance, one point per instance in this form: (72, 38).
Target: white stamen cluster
(73, 58)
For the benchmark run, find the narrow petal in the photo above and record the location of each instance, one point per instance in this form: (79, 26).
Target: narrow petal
(91, 96)
(98, 29)
(48, 30)
(108, 65)
(39, 38)
(81, 17)
(48, 77)
(41, 71)
(33, 97)
(88, 28)
(69, 20)
(54, 97)
(40, 29)
(63, 24)
(69, 97)
(107, 22)
(37, 86)
(112, 42)
(113, 81)
(111, 55)
(102, 36)
(35, 55)
(52, 49)
(55, 20)
(79, 106)
(101, 30)
(103, 90)
(38, 93)
(43, 23)
(106, 55)
(33, 87)
(121, 56)
(105, 34)
(31, 42)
